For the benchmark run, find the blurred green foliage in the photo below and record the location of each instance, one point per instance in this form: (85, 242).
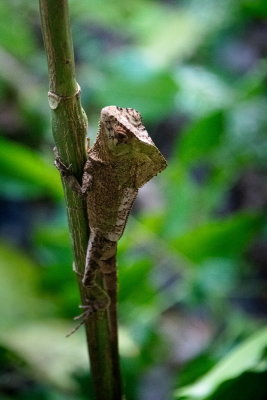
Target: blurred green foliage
(192, 262)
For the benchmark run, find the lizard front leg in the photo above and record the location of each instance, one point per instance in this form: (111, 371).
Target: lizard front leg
(71, 180)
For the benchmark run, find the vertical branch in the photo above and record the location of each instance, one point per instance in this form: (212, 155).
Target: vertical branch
(69, 125)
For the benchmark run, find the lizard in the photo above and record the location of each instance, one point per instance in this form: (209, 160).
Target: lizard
(122, 160)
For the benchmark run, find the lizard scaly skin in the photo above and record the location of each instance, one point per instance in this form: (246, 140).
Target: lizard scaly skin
(122, 159)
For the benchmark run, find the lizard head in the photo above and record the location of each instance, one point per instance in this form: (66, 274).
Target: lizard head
(124, 134)
(123, 129)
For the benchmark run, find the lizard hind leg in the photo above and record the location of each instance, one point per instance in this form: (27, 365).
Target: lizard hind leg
(97, 297)
(100, 252)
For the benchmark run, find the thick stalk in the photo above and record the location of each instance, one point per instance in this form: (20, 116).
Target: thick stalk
(69, 129)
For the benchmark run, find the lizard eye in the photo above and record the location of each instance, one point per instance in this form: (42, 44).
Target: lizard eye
(121, 134)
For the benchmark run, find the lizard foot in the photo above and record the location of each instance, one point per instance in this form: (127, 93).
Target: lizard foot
(67, 175)
(63, 169)
(82, 317)
(95, 302)
(96, 296)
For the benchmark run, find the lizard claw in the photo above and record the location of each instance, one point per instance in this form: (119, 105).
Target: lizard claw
(94, 305)
(63, 169)
(82, 317)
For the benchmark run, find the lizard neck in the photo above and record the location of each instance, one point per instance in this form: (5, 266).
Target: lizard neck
(100, 149)
(100, 152)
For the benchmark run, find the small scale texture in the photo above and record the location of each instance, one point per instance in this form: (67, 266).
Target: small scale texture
(122, 160)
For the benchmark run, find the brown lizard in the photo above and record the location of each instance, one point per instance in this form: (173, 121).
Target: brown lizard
(122, 160)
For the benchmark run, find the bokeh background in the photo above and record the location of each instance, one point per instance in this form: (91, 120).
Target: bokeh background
(193, 260)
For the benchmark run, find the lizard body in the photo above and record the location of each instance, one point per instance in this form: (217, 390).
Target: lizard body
(122, 159)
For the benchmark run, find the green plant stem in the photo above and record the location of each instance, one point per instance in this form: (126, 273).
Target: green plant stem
(69, 127)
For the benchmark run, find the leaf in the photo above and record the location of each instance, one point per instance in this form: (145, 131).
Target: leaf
(247, 386)
(17, 368)
(202, 91)
(53, 249)
(195, 368)
(153, 95)
(41, 343)
(186, 24)
(21, 164)
(216, 277)
(201, 138)
(19, 297)
(257, 8)
(219, 238)
(54, 245)
(44, 346)
(17, 36)
(180, 24)
(135, 287)
(246, 357)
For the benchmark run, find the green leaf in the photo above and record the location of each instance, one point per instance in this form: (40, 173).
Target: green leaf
(16, 36)
(249, 385)
(201, 138)
(256, 8)
(44, 346)
(135, 287)
(196, 368)
(219, 238)
(216, 277)
(21, 164)
(25, 327)
(202, 91)
(19, 297)
(246, 357)
(153, 95)
(186, 25)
